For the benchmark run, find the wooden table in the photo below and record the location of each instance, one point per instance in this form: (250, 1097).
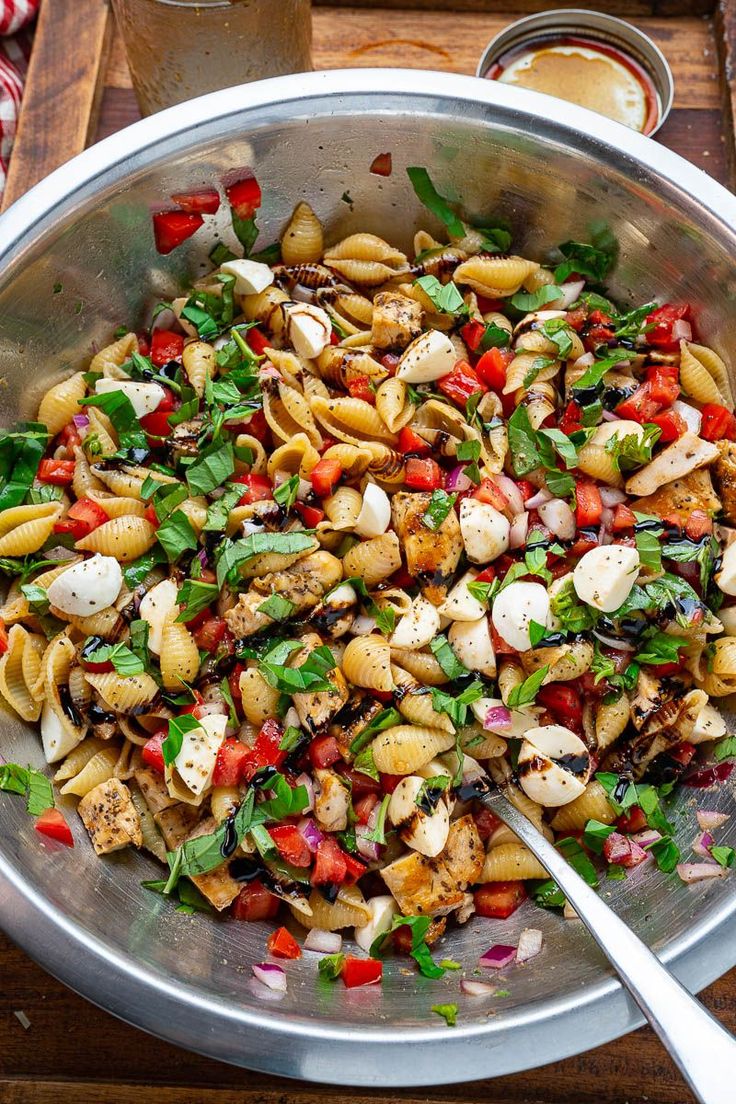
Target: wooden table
(79, 91)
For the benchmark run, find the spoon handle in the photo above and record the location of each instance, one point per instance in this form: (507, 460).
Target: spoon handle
(704, 1051)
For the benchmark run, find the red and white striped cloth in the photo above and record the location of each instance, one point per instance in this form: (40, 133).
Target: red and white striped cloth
(14, 53)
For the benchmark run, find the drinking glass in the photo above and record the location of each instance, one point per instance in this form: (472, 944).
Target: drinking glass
(182, 48)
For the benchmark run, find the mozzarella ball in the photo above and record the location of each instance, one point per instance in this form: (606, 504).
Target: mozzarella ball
(460, 605)
(485, 531)
(382, 910)
(417, 627)
(375, 512)
(429, 357)
(309, 328)
(515, 607)
(424, 832)
(88, 587)
(195, 762)
(251, 277)
(554, 765)
(604, 576)
(56, 738)
(521, 719)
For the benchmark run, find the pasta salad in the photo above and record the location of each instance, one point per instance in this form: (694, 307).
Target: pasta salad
(345, 530)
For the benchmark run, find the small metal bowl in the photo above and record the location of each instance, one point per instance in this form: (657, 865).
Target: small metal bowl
(599, 26)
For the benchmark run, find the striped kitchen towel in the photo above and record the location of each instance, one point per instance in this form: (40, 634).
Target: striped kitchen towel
(15, 15)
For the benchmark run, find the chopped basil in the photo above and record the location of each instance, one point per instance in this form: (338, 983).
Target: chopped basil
(595, 835)
(592, 261)
(725, 749)
(483, 592)
(686, 551)
(557, 330)
(448, 1013)
(420, 952)
(285, 494)
(21, 451)
(383, 720)
(166, 499)
(574, 616)
(648, 546)
(197, 856)
(176, 535)
(135, 572)
(218, 512)
(456, 708)
(532, 300)
(563, 446)
(277, 607)
(428, 195)
(496, 239)
(447, 659)
(178, 727)
(666, 853)
(578, 860)
(659, 647)
(439, 507)
(189, 898)
(537, 633)
(231, 554)
(195, 596)
(523, 443)
(378, 832)
(386, 620)
(215, 464)
(330, 967)
(125, 662)
(365, 764)
(724, 856)
(445, 297)
(286, 801)
(632, 451)
(28, 783)
(495, 337)
(616, 873)
(291, 739)
(595, 373)
(310, 676)
(45, 492)
(537, 365)
(23, 568)
(632, 323)
(526, 692)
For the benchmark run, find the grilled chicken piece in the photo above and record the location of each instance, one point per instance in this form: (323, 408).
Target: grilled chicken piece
(153, 788)
(176, 822)
(110, 817)
(397, 320)
(436, 886)
(431, 555)
(184, 440)
(354, 718)
(682, 496)
(216, 885)
(331, 801)
(304, 584)
(677, 460)
(315, 708)
(724, 470)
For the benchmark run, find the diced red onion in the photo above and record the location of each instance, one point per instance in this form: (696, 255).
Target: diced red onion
(702, 844)
(698, 872)
(262, 992)
(612, 642)
(476, 988)
(512, 493)
(271, 975)
(538, 499)
(612, 496)
(498, 956)
(530, 944)
(167, 320)
(584, 361)
(609, 416)
(368, 848)
(302, 294)
(570, 293)
(202, 557)
(268, 371)
(606, 518)
(692, 417)
(682, 330)
(623, 851)
(324, 942)
(498, 716)
(363, 625)
(559, 518)
(304, 489)
(518, 531)
(81, 421)
(457, 480)
(709, 818)
(647, 837)
(308, 783)
(310, 832)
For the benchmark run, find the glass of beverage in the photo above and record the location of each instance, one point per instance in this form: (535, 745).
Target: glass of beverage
(178, 49)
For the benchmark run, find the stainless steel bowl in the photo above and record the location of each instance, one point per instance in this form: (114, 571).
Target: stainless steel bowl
(87, 228)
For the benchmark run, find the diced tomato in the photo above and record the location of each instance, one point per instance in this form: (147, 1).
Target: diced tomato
(355, 869)
(230, 762)
(390, 362)
(3, 637)
(662, 320)
(487, 575)
(462, 382)
(382, 165)
(209, 635)
(672, 424)
(473, 333)
(257, 341)
(499, 900)
(324, 751)
(718, 423)
(150, 515)
(632, 821)
(360, 784)
(364, 807)
(244, 196)
(292, 845)
(623, 518)
(69, 436)
(325, 476)
(639, 407)
(596, 335)
(492, 368)
(58, 472)
(486, 822)
(599, 318)
(257, 488)
(389, 782)
(582, 545)
(698, 525)
(682, 753)
(661, 670)
(83, 516)
(664, 383)
(577, 318)
(423, 474)
(51, 823)
(171, 228)
(282, 944)
(165, 346)
(330, 867)
(151, 752)
(623, 851)
(570, 420)
(205, 202)
(489, 492)
(564, 704)
(411, 442)
(589, 505)
(360, 388)
(234, 682)
(265, 752)
(75, 529)
(500, 647)
(486, 305)
(310, 515)
(361, 971)
(157, 425)
(254, 902)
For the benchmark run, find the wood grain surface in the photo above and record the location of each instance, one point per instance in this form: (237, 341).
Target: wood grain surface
(71, 1052)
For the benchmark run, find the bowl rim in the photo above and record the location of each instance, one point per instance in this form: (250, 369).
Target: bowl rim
(300, 1047)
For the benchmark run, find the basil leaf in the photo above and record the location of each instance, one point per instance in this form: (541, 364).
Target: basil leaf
(595, 835)
(195, 596)
(537, 365)
(648, 547)
(216, 464)
(231, 554)
(285, 494)
(527, 301)
(386, 620)
(562, 445)
(526, 692)
(558, 332)
(483, 592)
(523, 443)
(456, 708)
(218, 512)
(725, 749)
(575, 617)
(448, 1013)
(447, 659)
(378, 833)
(495, 337)
(667, 853)
(659, 647)
(578, 860)
(310, 676)
(632, 451)
(427, 194)
(277, 607)
(590, 261)
(496, 239)
(365, 764)
(419, 926)
(595, 373)
(724, 856)
(178, 727)
(125, 662)
(445, 297)
(167, 498)
(118, 408)
(135, 572)
(330, 967)
(197, 856)
(176, 535)
(560, 484)
(21, 451)
(189, 897)
(28, 783)
(385, 719)
(439, 507)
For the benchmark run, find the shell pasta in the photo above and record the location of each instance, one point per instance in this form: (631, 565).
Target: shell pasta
(363, 526)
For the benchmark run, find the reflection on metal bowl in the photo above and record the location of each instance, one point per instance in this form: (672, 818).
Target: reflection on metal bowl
(87, 228)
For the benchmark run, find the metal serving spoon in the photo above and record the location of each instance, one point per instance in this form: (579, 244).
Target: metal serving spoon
(704, 1051)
